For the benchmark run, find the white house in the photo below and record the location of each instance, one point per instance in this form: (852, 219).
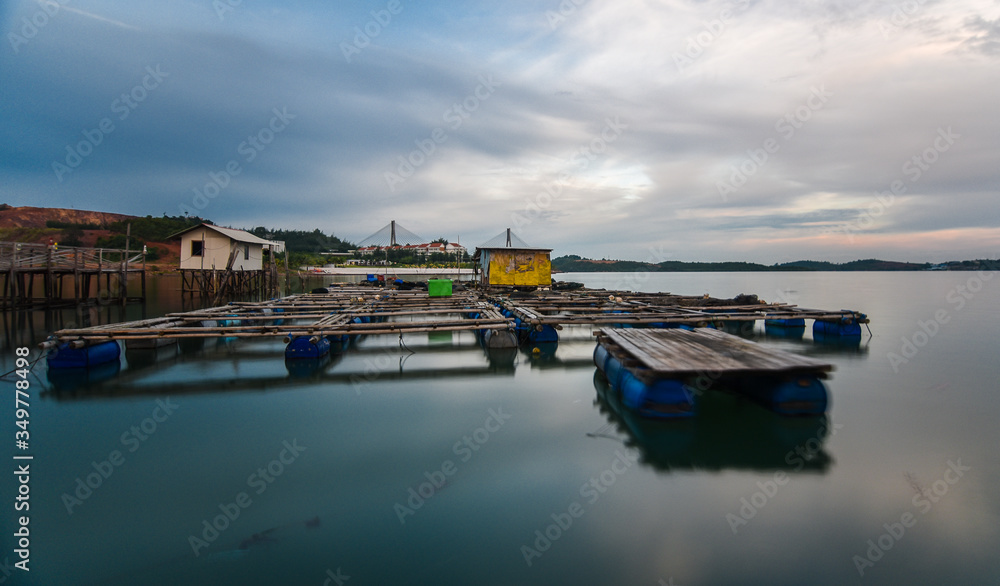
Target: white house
(210, 247)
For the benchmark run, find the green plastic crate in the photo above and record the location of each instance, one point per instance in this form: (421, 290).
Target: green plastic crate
(439, 287)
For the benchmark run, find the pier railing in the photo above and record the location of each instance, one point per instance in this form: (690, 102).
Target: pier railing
(89, 270)
(23, 255)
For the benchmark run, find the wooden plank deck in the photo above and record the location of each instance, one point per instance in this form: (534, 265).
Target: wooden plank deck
(678, 352)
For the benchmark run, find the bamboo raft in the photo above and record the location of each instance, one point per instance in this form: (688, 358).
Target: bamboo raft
(652, 366)
(615, 307)
(345, 311)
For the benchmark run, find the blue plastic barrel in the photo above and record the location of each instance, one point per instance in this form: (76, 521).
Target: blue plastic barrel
(303, 347)
(660, 398)
(845, 327)
(547, 333)
(794, 322)
(65, 357)
(801, 395)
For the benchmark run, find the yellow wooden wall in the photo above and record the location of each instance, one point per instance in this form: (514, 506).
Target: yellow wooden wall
(519, 268)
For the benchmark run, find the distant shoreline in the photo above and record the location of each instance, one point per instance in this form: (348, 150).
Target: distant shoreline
(576, 264)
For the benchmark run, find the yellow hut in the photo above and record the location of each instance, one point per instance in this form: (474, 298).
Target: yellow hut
(515, 264)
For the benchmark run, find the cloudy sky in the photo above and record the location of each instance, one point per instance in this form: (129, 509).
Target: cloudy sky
(650, 130)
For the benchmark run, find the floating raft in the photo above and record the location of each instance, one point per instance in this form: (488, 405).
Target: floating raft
(650, 357)
(658, 371)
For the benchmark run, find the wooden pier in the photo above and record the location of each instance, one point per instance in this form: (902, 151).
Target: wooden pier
(683, 353)
(97, 275)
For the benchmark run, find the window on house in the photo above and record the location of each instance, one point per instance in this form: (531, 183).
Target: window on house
(197, 248)
(246, 252)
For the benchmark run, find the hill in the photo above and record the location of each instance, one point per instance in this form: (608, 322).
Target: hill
(95, 229)
(107, 230)
(576, 264)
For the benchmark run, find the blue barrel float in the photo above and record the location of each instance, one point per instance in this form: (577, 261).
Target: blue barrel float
(71, 368)
(844, 327)
(667, 325)
(307, 347)
(65, 356)
(268, 311)
(791, 395)
(542, 334)
(791, 328)
(660, 398)
(792, 322)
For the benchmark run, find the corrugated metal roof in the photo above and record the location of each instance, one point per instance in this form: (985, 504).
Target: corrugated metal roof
(237, 235)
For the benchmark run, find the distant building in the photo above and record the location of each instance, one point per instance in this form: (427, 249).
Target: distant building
(207, 247)
(425, 249)
(512, 263)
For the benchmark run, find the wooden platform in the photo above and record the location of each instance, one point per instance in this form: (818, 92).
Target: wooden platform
(21, 264)
(609, 308)
(678, 353)
(337, 310)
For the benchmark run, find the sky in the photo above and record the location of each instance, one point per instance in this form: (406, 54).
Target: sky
(746, 130)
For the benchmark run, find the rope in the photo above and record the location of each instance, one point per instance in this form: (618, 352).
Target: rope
(402, 344)
(30, 366)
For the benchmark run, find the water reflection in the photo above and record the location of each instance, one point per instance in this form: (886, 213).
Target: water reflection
(253, 365)
(727, 433)
(142, 358)
(73, 380)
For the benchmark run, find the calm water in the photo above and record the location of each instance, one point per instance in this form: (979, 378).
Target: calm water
(323, 459)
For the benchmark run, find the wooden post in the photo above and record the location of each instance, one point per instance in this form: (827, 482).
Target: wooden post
(13, 273)
(76, 274)
(100, 270)
(288, 277)
(124, 278)
(47, 282)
